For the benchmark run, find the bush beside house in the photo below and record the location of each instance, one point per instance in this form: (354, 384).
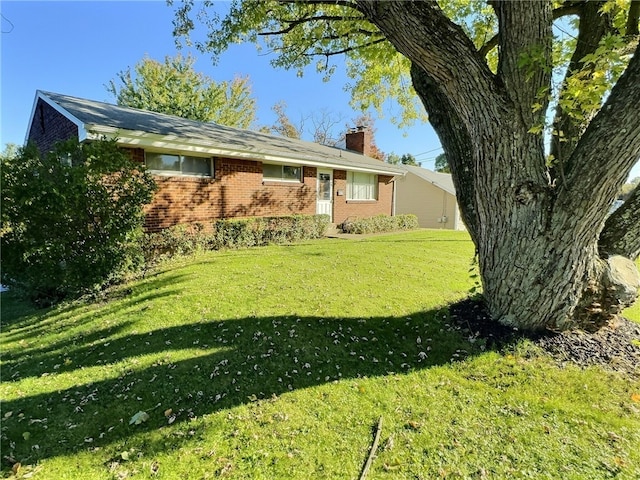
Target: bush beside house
(71, 218)
(233, 233)
(380, 224)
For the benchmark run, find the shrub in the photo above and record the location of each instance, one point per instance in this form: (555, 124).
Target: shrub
(71, 219)
(380, 223)
(249, 232)
(176, 240)
(233, 233)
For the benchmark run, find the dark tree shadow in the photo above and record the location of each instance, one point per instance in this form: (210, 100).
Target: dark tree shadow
(234, 361)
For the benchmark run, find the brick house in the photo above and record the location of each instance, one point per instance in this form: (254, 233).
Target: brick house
(207, 171)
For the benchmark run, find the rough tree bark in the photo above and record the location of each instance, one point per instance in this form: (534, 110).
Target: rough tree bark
(536, 232)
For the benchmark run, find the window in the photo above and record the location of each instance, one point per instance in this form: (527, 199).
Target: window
(179, 164)
(362, 186)
(281, 173)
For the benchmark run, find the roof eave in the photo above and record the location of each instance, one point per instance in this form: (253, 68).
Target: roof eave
(141, 139)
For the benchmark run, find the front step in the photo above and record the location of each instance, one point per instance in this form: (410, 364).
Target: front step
(333, 230)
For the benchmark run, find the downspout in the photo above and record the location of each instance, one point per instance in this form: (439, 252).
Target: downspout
(445, 217)
(393, 198)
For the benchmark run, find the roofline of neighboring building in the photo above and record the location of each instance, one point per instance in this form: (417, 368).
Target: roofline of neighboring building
(416, 171)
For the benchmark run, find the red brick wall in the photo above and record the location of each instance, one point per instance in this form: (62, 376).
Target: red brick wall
(49, 127)
(237, 190)
(343, 208)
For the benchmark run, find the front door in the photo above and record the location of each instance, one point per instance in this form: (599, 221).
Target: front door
(324, 202)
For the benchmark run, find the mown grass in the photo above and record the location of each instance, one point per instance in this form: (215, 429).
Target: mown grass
(277, 362)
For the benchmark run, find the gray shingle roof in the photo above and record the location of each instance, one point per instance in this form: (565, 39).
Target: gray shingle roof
(442, 180)
(92, 113)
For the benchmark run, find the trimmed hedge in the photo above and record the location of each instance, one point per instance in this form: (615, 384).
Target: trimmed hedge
(234, 233)
(381, 224)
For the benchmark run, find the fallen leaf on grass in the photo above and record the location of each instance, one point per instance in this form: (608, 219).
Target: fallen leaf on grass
(635, 397)
(139, 418)
(413, 425)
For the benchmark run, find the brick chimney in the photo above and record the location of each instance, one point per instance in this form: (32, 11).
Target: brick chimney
(359, 139)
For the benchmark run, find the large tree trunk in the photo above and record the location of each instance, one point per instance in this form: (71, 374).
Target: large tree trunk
(536, 236)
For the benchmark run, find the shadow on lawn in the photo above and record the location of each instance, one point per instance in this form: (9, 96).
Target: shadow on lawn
(230, 362)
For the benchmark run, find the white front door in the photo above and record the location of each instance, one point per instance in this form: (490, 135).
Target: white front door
(324, 202)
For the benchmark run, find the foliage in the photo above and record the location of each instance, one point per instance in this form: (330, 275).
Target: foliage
(71, 219)
(405, 159)
(249, 232)
(380, 75)
(393, 158)
(175, 88)
(179, 240)
(276, 363)
(323, 123)
(233, 233)
(380, 224)
(442, 165)
(408, 159)
(283, 125)
(627, 188)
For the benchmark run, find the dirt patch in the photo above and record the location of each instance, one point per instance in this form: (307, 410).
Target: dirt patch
(615, 347)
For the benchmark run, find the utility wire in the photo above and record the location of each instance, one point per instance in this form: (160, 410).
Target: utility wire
(428, 151)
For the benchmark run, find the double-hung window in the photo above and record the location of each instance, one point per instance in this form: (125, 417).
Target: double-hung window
(169, 164)
(281, 173)
(362, 186)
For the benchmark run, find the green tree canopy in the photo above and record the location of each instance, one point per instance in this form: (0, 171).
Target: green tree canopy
(175, 88)
(283, 126)
(408, 159)
(393, 158)
(442, 165)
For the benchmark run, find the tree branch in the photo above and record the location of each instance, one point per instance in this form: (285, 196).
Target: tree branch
(563, 11)
(609, 147)
(345, 50)
(300, 21)
(525, 63)
(445, 53)
(329, 3)
(633, 18)
(621, 233)
(593, 28)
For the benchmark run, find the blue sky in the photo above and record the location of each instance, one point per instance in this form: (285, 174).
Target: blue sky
(77, 47)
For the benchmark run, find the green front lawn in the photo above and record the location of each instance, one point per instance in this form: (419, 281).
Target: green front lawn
(277, 362)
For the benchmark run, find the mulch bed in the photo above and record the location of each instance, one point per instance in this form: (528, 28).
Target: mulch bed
(615, 347)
